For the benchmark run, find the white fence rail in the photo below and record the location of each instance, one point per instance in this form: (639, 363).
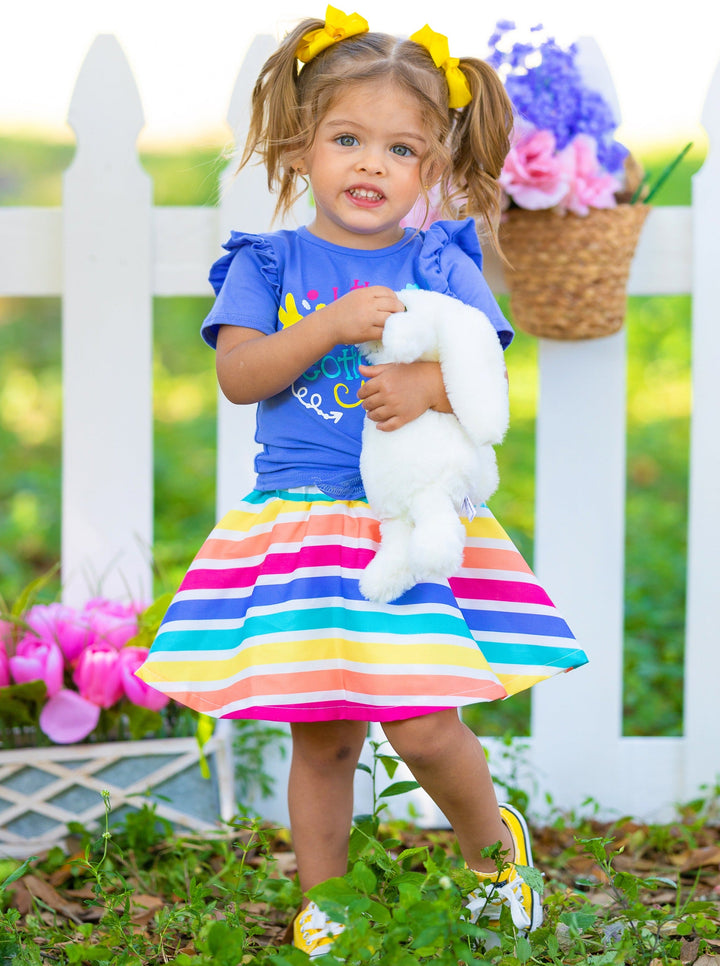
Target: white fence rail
(108, 251)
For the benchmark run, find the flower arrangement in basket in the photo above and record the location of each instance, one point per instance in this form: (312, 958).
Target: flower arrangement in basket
(575, 198)
(67, 674)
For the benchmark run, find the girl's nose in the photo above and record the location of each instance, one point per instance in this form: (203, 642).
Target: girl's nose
(370, 163)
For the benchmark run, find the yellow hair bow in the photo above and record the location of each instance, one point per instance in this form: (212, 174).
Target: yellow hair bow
(338, 26)
(437, 46)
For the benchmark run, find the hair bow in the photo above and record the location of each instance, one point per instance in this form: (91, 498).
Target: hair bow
(437, 46)
(338, 26)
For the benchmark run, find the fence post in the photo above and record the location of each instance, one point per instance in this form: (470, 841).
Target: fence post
(246, 205)
(107, 507)
(702, 641)
(579, 541)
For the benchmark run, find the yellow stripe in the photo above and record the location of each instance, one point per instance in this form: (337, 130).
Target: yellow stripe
(297, 653)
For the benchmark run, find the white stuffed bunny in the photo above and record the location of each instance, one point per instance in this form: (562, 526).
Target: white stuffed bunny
(418, 477)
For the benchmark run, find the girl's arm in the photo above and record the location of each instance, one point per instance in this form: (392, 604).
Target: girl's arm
(396, 393)
(252, 366)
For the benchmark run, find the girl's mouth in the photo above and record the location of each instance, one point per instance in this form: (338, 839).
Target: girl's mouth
(365, 196)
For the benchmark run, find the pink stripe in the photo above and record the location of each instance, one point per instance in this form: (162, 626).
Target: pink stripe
(341, 712)
(512, 591)
(333, 555)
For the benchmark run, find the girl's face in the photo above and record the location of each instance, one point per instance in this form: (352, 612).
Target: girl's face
(364, 165)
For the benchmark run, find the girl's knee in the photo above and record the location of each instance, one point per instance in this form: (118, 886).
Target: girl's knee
(423, 739)
(328, 745)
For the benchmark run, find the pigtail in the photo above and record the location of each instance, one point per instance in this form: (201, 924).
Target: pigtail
(479, 141)
(278, 133)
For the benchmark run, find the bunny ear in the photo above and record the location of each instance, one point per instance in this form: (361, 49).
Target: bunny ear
(473, 368)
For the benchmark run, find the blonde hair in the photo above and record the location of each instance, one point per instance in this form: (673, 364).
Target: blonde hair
(467, 145)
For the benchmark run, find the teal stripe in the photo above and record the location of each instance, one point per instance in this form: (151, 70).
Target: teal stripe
(532, 654)
(265, 496)
(321, 619)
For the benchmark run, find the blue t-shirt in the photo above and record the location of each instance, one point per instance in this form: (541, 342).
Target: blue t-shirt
(310, 433)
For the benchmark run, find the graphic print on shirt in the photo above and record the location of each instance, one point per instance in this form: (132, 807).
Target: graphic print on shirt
(339, 367)
(336, 374)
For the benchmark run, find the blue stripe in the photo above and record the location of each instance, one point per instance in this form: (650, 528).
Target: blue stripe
(509, 622)
(299, 590)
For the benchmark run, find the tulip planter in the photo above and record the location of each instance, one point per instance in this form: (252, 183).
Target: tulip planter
(44, 790)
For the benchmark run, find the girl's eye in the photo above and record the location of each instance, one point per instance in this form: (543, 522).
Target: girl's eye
(402, 150)
(347, 140)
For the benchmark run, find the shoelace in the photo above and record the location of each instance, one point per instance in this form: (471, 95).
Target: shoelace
(318, 921)
(489, 902)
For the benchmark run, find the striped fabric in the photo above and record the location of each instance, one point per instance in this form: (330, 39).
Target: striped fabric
(269, 622)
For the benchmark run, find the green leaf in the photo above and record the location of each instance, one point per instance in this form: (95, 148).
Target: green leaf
(398, 788)
(29, 594)
(363, 878)
(523, 949)
(361, 766)
(18, 873)
(533, 877)
(581, 921)
(390, 764)
(142, 721)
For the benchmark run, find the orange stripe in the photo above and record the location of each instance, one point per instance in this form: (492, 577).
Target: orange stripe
(482, 558)
(307, 682)
(351, 528)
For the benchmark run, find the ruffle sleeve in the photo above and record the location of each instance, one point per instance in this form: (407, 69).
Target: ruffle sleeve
(262, 251)
(451, 261)
(246, 282)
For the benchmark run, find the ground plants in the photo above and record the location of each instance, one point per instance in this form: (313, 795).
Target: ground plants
(614, 894)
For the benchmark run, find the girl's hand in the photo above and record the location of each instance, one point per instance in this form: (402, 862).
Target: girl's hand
(360, 315)
(396, 393)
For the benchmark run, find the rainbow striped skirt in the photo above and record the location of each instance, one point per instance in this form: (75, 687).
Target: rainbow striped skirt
(269, 622)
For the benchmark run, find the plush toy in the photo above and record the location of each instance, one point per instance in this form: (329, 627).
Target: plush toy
(420, 478)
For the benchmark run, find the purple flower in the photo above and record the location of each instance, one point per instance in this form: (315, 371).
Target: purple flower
(61, 625)
(548, 93)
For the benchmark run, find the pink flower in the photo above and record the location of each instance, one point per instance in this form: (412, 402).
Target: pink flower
(590, 187)
(4, 663)
(423, 213)
(36, 660)
(61, 625)
(534, 175)
(68, 717)
(97, 674)
(111, 621)
(137, 691)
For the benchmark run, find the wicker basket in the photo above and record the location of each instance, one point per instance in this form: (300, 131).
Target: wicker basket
(569, 274)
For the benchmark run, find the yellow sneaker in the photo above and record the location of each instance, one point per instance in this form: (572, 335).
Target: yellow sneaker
(314, 931)
(507, 887)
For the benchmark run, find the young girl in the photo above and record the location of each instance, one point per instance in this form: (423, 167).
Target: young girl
(269, 622)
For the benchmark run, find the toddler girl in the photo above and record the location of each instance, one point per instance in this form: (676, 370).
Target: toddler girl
(269, 622)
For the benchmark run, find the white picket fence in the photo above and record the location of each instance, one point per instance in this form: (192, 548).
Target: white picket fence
(107, 251)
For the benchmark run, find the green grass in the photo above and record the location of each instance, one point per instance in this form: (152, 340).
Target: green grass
(185, 399)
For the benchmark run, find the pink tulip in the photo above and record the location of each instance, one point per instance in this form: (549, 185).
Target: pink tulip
(111, 621)
(534, 175)
(97, 674)
(36, 660)
(137, 691)
(67, 717)
(4, 663)
(590, 187)
(61, 625)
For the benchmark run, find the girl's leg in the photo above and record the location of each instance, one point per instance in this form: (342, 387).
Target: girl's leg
(448, 761)
(320, 795)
